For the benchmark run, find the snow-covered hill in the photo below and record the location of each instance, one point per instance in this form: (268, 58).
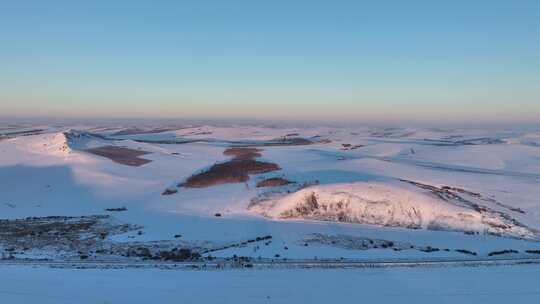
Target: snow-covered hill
(388, 204)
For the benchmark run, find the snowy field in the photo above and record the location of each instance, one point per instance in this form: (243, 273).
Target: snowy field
(516, 284)
(246, 194)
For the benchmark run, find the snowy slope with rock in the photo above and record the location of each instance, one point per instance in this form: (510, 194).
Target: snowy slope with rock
(389, 204)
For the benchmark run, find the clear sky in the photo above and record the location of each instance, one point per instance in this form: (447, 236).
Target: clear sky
(432, 60)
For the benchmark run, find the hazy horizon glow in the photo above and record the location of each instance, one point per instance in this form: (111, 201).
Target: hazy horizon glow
(353, 60)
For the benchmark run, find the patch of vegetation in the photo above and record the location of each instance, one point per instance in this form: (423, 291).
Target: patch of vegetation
(273, 182)
(242, 244)
(169, 191)
(177, 255)
(236, 170)
(240, 152)
(502, 252)
(121, 155)
(346, 147)
(116, 209)
(465, 251)
(75, 236)
(428, 249)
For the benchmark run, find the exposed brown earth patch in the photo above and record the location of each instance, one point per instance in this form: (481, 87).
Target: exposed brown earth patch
(245, 153)
(124, 156)
(236, 170)
(273, 182)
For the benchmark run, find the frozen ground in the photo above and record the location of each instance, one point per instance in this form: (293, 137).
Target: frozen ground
(162, 194)
(505, 284)
(421, 193)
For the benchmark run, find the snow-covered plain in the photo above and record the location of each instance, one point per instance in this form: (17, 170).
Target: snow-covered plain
(516, 284)
(358, 193)
(51, 174)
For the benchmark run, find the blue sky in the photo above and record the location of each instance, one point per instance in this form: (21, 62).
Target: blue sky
(354, 60)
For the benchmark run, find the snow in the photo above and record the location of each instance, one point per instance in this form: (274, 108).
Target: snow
(516, 284)
(49, 174)
(389, 204)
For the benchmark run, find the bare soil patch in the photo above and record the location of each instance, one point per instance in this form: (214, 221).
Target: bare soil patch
(124, 156)
(236, 170)
(245, 153)
(273, 182)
